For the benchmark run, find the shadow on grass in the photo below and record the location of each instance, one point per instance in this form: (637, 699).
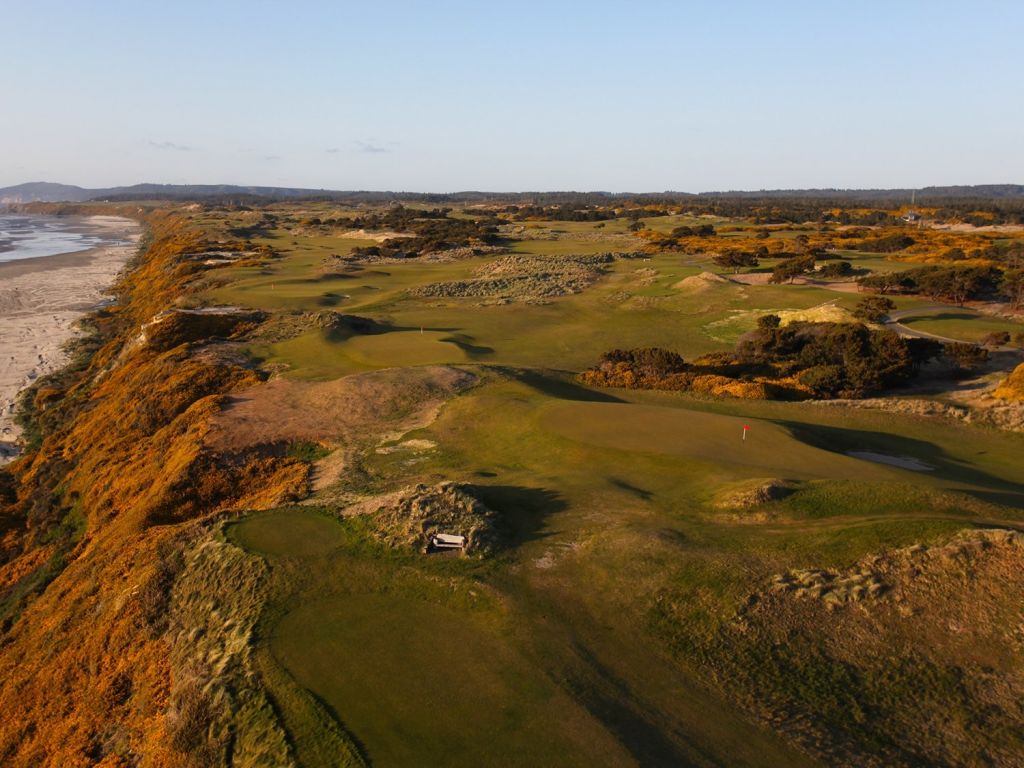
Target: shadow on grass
(349, 326)
(840, 440)
(555, 385)
(521, 510)
(326, 277)
(465, 343)
(621, 484)
(329, 300)
(610, 700)
(939, 316)
(355, 744)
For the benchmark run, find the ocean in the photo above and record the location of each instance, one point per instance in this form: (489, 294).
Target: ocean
(30, 237)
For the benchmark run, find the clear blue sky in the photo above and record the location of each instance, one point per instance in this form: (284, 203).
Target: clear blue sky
(443, 96)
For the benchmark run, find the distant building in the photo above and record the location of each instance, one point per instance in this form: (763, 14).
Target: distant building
(912, 216)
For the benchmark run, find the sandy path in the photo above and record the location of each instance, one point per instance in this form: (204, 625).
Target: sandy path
(40, 300)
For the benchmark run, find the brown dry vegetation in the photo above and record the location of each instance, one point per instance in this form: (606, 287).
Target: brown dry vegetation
(1012, 387)
(343, 410)
(123, 470)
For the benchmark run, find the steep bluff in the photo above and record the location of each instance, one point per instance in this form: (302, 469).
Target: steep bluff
(117, 483)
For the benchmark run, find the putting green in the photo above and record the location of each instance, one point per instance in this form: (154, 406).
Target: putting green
(704, 436)
(403, 348)
(287, 533)
(420, 684)
(314, 355)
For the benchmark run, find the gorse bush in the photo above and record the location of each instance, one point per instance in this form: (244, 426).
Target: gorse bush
(774, 361)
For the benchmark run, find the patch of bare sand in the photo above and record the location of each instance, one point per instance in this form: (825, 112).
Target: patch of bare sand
(752, 278)
(351, 412)
(842, 286)
(764, 278)
(1003, 228)
(699, 283)
(377, 237)
(40, 301)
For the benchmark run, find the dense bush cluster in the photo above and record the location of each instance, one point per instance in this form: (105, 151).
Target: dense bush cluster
(837, 359)
(955, 283)
(885, 243)
(802, 359)
(431, 234)
(397, 217)
(792, 267)
(565, 212)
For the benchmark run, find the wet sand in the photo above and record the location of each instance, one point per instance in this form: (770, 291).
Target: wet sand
(40, 301)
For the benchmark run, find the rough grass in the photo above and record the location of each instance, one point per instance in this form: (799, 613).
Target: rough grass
(219, 707)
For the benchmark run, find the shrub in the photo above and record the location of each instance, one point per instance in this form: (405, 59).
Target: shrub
(996, 339)
(836, 269)
(304, 450)
(824, 380)
(790, 268)
(874, 308)
(885, 244)
(966, 358)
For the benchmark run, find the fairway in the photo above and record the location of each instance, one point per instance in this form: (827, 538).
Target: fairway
(961, 324)
(421, 684)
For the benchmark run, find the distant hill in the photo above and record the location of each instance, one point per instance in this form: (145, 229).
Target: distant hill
(42, 191)
(976, 191)
(47, 192)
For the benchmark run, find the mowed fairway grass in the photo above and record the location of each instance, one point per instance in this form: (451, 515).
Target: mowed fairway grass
(961, 324)
(542, 653)
(555, 651)
(422, 684)
(628, 307)
(416, 659)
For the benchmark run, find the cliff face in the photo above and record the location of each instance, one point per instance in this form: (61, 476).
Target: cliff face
(117, 482)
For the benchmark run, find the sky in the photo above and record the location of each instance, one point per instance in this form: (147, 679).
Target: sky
(556, 95)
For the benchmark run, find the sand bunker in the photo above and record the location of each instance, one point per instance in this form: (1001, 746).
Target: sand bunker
(903, 462)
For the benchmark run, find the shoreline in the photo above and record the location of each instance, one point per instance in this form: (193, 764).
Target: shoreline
(33, 264)
(39, 315)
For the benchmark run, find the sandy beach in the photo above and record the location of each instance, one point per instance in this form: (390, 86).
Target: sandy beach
(40, 300)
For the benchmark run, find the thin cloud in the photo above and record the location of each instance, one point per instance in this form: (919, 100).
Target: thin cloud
(171, 145)
(271, 157)
(332, 151)
(371, 147)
